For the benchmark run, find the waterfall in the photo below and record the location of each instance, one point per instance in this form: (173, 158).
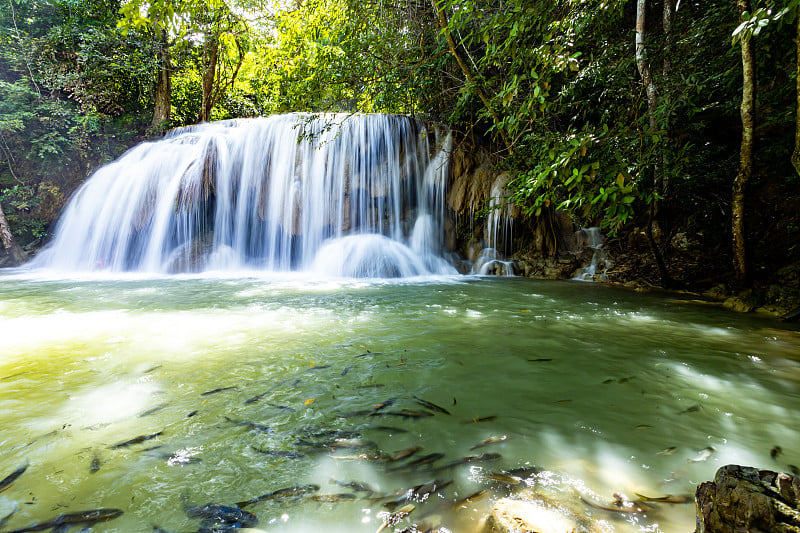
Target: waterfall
(498, 231)
(593, 239)
(349, 195)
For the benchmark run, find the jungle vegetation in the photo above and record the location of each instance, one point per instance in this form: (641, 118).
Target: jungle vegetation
(655, 117)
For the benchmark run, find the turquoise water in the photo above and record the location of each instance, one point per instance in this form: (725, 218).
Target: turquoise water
(602, 390)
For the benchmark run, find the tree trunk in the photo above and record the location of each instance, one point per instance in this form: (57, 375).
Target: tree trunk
(163, 95)
(466, 70)
(12, 250)
(210, 58)
(796, 153)
(650, 89)
(745, 155)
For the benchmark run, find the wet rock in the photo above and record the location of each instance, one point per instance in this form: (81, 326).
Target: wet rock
(744, 302)
(539, 267)
(719, 291)
(517, 516)
(790, 275)
(734, 303)
(748, 499)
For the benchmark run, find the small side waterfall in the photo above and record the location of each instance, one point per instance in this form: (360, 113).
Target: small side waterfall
(349, 195)
(596, 269)
(499, 226)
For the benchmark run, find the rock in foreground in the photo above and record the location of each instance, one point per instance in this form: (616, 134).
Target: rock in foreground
(748, 499)
(517, 516)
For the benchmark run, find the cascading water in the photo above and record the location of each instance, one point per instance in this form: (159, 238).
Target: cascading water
(499, 224)
(593, 239)
(349, 195)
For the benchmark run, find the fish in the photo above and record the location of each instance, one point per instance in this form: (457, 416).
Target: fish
(618, 506)
(502, 478)
(286, 492)
(669, 498)
(775, 452)
(357, 486)
(405, 413)
(490, 440)
(190, 415)
(215, 391)
(643, 427)
(540, 360)
(395, 517)
(690, 409)
(373, 456)
(390, 429)
(475, 496)
(152, 369)
(424, 460)
(135, 440)
(341, 497)
(12, 477)
(703, 454)
(471, 459)
(64, 521)
(278, 453)
(319, 367)
(215, 515)
(430, 405)
(402, 454)
(371, 386)
(479, 420)
(419, 493)
(6, 518)
(382, 405)
(95, 465)
(255, 398)
(155, 409)
(250, 425)
(346, 370)
(524, 471)
(368, 353)
(336, 434)
(667, 451)
(282, 407)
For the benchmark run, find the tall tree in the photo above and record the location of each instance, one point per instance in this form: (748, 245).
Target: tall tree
(177, 25)
(747, 111)
(643, 65)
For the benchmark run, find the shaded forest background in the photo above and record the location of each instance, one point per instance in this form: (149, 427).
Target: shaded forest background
(622, 114)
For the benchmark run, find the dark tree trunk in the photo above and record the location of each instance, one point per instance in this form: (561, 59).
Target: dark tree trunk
(745, 155)
(163, 94)
(210, 58)
(643, 66)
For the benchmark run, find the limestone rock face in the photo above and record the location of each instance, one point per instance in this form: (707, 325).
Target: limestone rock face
(744, 499)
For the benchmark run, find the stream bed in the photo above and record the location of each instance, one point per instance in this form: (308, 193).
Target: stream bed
(297, 398)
